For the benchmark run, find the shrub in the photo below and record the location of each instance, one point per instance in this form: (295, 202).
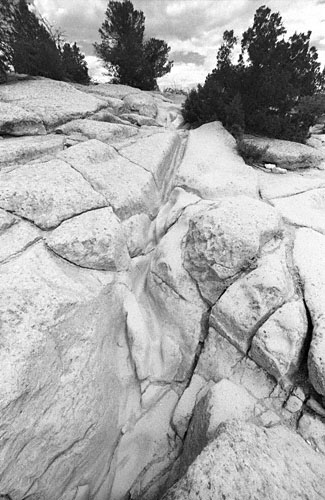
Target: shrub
(251, 153)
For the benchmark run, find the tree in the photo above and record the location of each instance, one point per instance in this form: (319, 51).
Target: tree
(267, 84)
(74, 64)
(128, 57)
(7, 15)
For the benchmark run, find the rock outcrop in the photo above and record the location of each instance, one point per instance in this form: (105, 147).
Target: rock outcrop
(154, 288)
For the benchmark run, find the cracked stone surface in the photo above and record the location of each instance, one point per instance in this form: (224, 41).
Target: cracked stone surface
(17, 121)
(47, 193)
(143, 280)
(94, 240)
(245, 458)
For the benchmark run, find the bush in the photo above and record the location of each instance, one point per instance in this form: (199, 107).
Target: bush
(250, 152)
(270, 91)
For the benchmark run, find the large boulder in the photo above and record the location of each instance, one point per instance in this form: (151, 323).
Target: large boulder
(17, 121)
(248, 462)
(143, 103)
(211, 166)
(225, 240)
(103, 131)
(286, 154)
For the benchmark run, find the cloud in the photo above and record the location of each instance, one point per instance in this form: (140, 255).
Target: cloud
(179, 56)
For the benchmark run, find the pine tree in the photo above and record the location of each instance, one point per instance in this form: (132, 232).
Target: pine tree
(74, 64)
(128, 57)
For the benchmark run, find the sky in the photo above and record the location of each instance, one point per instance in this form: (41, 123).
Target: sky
(192, 28)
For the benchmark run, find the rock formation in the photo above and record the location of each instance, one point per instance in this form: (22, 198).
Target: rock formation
(154, 288)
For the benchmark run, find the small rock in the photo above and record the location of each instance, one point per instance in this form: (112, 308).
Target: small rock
(293, 404)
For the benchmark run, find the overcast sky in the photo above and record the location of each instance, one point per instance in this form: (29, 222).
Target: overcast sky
(192, 28)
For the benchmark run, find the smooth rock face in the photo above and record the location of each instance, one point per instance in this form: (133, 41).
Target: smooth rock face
(225, 240)
(249, 302)
(211, 167)
(16, 121)
(47, 193)
(93, 240)
(287, 154)
(305, 209)
(244, 460)
(309, 257)
(59, 342)
(278, 345)
(91, 129)
(141, 102)
(24, 149)
(51, 101)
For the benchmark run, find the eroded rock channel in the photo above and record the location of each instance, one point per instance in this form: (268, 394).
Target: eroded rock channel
(154, 287)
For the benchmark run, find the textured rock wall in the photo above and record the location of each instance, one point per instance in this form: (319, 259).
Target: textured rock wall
(153, 286)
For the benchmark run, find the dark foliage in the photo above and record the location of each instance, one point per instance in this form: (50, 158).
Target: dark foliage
(129, 59)
(28, 45)
(264, 92)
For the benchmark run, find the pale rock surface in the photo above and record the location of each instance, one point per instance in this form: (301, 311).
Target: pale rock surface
(59, 342)
(211, 167)
(141, 102)
(155, 154)
(287, 154)
(6, 220)
(47, 193)
(140, 120)
(309, 257)
(251, 300)
(186, 404)
(225, 241)
(150, 441)
(110, 91)
(273, 186)
(105, 115)
(312, 429)
(94, 240)
(223, 401)
(16, 121)
(16, 238)
(87, 153)
(137, 230)
(24, 149)
(304, 209)
(248, 462)
(51, 101)
(278, 345)
(91, 129)
(218, 358)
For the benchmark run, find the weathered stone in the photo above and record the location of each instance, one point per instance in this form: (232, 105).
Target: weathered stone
(110, 91)
(293, 404)
(286, 154)
(136, 230)
(223, 401)
(91, 129)
(87, 153)
(16, 238)
(278, 345)
(140, 120)
(66, 384)
(211, 166)
(251, 300)
(225, 240)
(143, 103)
(94, 240)
(155, 154)
(309, 257)
(15, 120)
(148, 438)
(273, 186)
(255, 380)
(185, 406)
(6, 220)
(47, 193)
(51, 101)
(243, 462)
(304, 209)
(24, 149)
(218, 357)
(106, 116)
(312, 430)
